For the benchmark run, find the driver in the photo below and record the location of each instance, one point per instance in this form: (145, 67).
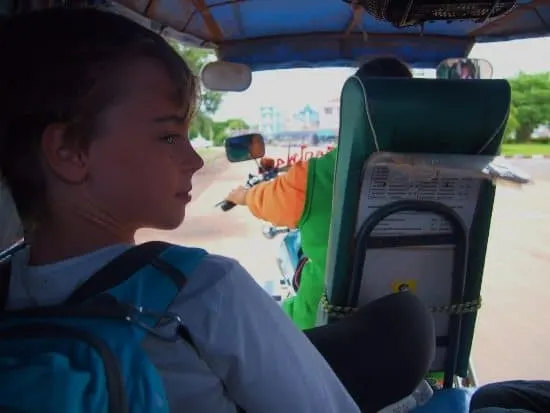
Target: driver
(468, 70)
(301, 199)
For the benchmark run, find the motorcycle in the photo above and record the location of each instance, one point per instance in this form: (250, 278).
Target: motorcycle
(290, 258)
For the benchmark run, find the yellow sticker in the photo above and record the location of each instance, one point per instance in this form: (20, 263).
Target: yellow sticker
(404, 285)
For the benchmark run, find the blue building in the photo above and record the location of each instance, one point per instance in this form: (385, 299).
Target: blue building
(271, 121)
(307, 117)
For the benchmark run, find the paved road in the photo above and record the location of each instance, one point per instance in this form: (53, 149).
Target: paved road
(513, 331)
(539, 169)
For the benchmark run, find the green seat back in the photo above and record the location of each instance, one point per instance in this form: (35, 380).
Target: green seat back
(413, 116)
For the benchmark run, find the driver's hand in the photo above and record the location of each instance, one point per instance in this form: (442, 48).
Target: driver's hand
(237, 196)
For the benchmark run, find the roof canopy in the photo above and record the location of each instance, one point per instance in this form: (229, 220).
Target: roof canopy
(268, 34)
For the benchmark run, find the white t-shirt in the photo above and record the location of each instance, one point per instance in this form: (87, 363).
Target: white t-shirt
(245, 340)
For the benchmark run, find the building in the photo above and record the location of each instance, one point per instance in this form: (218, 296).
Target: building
(306, 118)
(329, 114)
(272, 120)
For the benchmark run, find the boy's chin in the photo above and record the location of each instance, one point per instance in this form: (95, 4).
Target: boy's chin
(168, 223)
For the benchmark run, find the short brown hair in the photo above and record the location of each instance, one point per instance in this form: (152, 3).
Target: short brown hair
(384, 67)
(59, 66)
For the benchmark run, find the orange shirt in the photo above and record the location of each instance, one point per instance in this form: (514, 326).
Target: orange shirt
(282, 200)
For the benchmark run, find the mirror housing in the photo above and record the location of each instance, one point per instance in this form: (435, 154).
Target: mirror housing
(464, 68)
(245, 147)
(226, 77)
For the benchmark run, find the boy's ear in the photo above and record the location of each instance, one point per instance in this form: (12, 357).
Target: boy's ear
(65, 159)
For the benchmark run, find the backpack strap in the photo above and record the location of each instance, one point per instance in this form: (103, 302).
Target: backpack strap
(5, 277)
(117, 271)
(131, 278)
(5, 271)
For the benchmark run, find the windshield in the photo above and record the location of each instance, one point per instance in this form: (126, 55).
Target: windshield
(296, 110)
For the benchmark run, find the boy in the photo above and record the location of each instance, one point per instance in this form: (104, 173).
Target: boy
(94, 122)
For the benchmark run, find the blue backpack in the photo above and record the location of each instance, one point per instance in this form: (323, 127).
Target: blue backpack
(85, 355)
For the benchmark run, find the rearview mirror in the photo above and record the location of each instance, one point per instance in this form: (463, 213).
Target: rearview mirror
(244, 147)
(226, 77)
(466, 68)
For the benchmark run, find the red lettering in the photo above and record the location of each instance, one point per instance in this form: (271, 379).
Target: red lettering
(292, 159)
(302, 156)
(330, 148)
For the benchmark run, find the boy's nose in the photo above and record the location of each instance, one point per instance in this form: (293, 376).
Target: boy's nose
(196, 161)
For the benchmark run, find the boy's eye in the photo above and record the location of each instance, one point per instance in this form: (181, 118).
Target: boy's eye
(170, 139)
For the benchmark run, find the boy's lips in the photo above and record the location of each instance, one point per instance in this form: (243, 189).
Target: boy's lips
(184, 195)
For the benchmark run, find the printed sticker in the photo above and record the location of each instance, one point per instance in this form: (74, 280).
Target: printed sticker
(404, 285)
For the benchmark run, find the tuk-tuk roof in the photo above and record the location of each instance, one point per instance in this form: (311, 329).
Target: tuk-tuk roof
(269, 34)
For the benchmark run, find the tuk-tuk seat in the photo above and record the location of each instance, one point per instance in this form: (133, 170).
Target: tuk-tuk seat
(414, 116)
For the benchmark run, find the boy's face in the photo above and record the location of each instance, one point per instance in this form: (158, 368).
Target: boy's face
(139, 167)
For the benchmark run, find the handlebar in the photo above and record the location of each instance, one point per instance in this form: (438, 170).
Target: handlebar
(227, 205)
(252, 181)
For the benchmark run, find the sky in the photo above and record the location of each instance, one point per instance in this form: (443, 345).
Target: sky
(316, 86)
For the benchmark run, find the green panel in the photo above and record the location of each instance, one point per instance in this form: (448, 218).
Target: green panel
(423, 116)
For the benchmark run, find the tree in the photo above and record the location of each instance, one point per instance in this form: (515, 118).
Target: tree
(196, 58)
(220, 133)
(209, 103)
(531, 100)
(237, 125)
(221, 130)
(512, 124)
(201, 125)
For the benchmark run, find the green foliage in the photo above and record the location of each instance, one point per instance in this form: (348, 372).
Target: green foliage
(236, 124)
(533, 148)
(512, 125)
(217, 132)
(196, 58)
(203, 124)
(220, 133)
(530, 105)
(226, 128)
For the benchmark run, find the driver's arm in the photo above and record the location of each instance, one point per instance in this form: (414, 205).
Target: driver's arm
(282, 200)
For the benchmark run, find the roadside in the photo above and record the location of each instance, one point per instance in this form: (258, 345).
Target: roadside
(214, 164)
(211, 154)
(525, 149)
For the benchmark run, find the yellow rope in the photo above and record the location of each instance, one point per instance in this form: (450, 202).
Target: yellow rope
(462, 308)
